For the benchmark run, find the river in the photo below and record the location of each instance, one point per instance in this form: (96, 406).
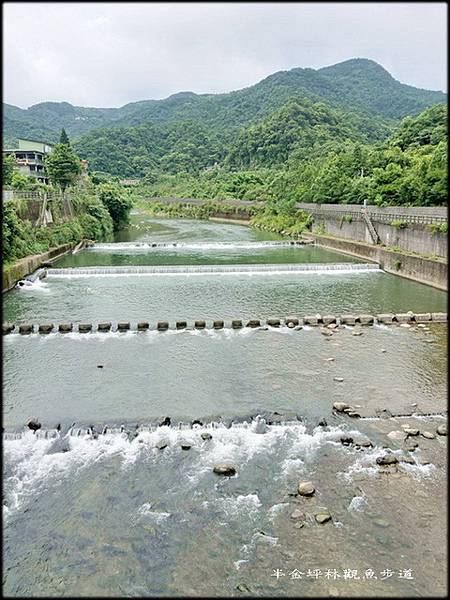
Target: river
(111, 504)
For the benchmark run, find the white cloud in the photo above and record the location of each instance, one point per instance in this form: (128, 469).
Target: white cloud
(108, 54)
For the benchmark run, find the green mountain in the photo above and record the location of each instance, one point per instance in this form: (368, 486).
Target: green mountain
(361, 84)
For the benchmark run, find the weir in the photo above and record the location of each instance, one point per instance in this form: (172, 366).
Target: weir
(336, 268)
(145, 246)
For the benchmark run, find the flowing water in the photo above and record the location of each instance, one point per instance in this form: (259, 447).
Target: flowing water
(111, 504)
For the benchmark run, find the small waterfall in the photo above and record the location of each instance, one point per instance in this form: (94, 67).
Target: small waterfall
(146, 246)
(305, 268)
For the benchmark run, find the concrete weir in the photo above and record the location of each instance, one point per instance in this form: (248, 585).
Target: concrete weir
(289, 322)
(187, 270)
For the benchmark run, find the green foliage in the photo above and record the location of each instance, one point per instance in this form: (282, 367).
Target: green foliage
(9, 166)
(438, 227)
(287, 224)
(63, 165)
(21, 238)
(64, 138)
(117, 203)
(20, 181)
(429, 128)
(360, 83)
(325, 136)
(399, 224)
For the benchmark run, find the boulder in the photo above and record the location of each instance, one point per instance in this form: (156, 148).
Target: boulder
(442, 430)
(200, 324)
(236, 323)
(142, 325)
(341, 406)
(84, 327)
(346, 440)
(161, 445)
(104, 327)
(34, 425)
(428, 434)
(387, 459)
(205, 435)
(224, 469)
(165, 421)
(362, 441)
(186, 446)
(162, 326)
(322, 517)
(357, 332)
(48, 328)
(411, 431)
(306, 488)
(123, 326)
(298, 515)
(338, 379)
(326, 332)
(65, 327)
(218, 324)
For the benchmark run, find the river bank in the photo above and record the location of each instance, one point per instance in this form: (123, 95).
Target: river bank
(423, 269)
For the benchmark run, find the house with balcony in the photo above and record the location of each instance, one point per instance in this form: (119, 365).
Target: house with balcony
(29, 156)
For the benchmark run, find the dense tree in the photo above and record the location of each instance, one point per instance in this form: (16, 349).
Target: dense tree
(9, 166)
(63, 165)
(116, 202)
(64, 138)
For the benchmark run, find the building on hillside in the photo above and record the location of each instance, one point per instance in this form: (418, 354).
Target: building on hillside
(129, 181)
(30, 156)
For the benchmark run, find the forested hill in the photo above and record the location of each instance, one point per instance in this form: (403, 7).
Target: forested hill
(361, 85)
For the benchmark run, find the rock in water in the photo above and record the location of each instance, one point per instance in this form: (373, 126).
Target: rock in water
(341, 406)
(411, 431)
(224, 469)
(259, 425)
(339, 379)
(428, 435)
(298, 515)
(34, 425)
(346, 440)
(306, 488)
(166, 421)
(387, 459)
(206, 436)
(442, 430)
(161, 445)
(185, 446)
(322, 517)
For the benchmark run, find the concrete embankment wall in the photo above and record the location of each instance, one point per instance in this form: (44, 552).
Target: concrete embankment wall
(29, 264)
(423, 270)
(415, 237)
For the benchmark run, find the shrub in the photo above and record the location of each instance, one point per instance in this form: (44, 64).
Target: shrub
(399, 224)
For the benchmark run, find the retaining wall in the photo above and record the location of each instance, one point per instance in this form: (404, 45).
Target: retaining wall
(415, 237)
(29, 264)
(423, 270)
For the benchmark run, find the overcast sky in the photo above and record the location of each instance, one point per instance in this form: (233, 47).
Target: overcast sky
(108, 54)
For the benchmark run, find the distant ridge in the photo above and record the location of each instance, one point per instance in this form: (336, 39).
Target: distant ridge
(359, 84)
